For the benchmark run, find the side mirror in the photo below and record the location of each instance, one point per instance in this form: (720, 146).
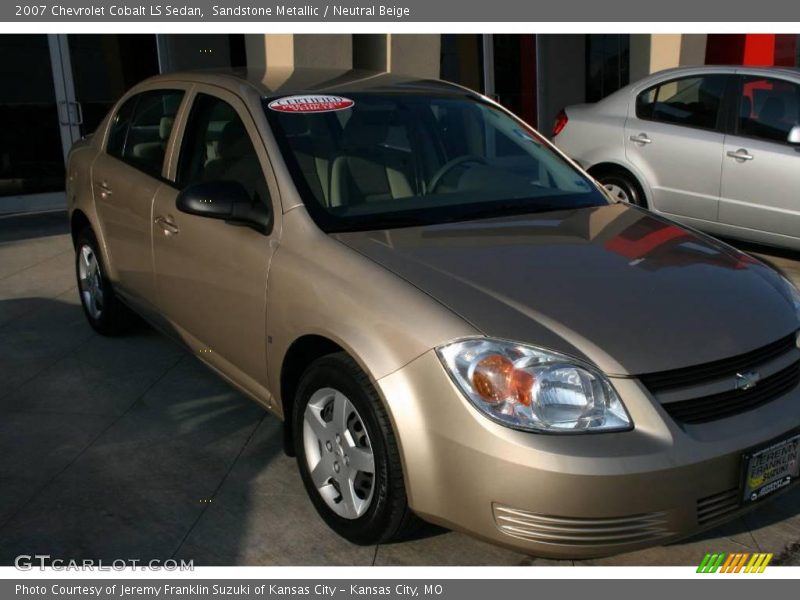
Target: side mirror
(226, 200)
(794, 135)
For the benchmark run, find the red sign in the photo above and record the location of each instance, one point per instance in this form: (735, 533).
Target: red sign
(310, 104)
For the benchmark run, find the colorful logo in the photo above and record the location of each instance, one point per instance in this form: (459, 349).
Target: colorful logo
(738, 562)
(318, 103)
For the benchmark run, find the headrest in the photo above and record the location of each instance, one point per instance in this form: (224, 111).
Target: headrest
(165, 127)
(233, 139)
(367, 128)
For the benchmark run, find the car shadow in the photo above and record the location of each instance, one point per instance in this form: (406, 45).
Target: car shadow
(20, 227)
(129, 447)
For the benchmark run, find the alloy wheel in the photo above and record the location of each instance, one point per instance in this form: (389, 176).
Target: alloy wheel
(338, 453)
(91, 281)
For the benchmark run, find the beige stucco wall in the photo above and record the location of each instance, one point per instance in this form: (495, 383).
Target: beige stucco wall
(651, 53)
(413, 54)
(287, 50)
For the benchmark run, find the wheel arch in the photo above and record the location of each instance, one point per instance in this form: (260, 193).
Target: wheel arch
(299, 355)
(78, 222)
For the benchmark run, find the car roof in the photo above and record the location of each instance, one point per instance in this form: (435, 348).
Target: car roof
(286, 81)
(728, 69)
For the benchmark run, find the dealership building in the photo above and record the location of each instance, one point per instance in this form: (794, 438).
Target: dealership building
(56, 88)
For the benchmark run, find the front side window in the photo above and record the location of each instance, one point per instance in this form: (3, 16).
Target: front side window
(144, 142)
(768, 108)
(393, 160)
(690, 101)
(217, 147)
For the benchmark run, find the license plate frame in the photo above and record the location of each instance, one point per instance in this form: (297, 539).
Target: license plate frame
(780, 459)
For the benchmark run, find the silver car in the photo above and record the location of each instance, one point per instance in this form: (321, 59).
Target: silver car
(717, 148)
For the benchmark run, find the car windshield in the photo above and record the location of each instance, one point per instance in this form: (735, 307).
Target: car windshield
(376, 161)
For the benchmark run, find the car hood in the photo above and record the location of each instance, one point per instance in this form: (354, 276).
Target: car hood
(627, 290)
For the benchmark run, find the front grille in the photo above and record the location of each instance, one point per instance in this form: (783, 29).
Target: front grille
(733, 402)
(572, 531)
(719, 369)
(717, 507)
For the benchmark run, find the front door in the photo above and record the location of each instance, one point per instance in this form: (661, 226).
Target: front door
(211, 276)
(761, 169)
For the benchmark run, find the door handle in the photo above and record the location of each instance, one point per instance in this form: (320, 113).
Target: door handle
(740, 154)
(167, 226)
(105, 191)
(78, 113)
(642, 138)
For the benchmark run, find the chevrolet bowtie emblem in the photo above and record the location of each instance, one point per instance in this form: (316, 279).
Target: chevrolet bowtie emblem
(748, 380)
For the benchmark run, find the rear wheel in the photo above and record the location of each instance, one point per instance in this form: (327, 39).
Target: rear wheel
(347, 453)
(622, 186)
(105, 313)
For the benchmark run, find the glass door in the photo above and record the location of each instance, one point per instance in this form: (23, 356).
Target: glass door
(56, 89)
(31, 149)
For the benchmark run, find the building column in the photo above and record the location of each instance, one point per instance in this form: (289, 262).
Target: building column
(414, 54)
(289, 51)
(659, 51)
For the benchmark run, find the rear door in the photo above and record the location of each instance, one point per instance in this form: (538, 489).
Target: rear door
(674, 137)
(125, 179)
(761, 169)
(211, 276)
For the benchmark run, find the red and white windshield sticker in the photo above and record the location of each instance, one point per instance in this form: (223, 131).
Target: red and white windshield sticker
(310, 104)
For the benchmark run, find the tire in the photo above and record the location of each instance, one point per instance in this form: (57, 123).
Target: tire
(623, 186)
(385, 514)
(105, 313)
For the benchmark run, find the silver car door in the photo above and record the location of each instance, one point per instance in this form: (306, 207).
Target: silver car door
(673, 137)
(761, 169)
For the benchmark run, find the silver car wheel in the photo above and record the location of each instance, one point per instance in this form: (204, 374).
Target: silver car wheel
(91, 281)
(338, 453)
(617, 192)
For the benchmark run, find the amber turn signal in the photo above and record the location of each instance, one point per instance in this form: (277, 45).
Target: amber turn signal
(496, 380)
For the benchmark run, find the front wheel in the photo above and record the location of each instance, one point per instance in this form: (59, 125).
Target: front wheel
(347, 453)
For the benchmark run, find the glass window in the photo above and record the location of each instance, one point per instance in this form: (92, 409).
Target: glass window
(394, 160)
(691, 101)
(607, 64)
(768, 108)
(145, 144)
(119, 128)
(217, 147)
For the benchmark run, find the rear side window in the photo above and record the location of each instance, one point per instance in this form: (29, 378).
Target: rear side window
(690, 101)
(217, 147)
(119, 128)
(141, 129)
(768, 108)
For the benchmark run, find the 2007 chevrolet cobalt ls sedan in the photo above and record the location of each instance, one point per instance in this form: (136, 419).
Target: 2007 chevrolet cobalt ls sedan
(453, 321)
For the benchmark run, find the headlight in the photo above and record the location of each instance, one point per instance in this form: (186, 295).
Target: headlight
(529, 388)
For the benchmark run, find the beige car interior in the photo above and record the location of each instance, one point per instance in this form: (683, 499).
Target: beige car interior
(366, 168)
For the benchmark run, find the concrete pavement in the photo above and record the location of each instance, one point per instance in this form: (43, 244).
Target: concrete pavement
(129, 448)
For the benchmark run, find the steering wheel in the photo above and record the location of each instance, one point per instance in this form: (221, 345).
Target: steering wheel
(450, 165)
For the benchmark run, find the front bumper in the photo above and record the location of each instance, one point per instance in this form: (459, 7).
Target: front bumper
(570, 496)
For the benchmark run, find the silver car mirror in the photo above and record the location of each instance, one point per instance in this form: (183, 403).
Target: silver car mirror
(794, 135)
